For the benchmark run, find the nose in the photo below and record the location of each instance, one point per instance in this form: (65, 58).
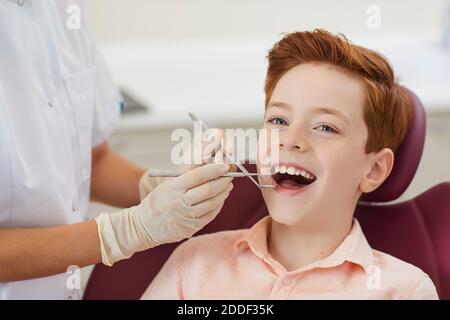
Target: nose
(292, 139)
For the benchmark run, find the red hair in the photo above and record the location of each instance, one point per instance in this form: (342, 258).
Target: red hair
(388, 111)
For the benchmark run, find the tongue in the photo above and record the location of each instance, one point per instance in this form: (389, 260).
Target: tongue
(286, 183)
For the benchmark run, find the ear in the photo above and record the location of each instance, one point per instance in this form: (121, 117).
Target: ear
(380, 168)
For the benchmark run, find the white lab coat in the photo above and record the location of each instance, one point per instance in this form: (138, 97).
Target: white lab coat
(57, 101)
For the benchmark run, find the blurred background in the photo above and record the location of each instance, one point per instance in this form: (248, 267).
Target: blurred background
(208, 56)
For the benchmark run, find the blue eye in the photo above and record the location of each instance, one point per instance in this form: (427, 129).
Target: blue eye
(327, 128)
(278, 121)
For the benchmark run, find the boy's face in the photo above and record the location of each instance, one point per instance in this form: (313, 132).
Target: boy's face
(328, 144)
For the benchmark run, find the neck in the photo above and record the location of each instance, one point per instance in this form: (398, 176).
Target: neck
(295, 247)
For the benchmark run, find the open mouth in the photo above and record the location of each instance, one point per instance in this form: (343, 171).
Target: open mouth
(290, 177)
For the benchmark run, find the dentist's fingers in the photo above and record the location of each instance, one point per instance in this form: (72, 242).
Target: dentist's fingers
(216, 144)
(206, 190)
(223, 145)
(213, 139)
(210, 204)
(209, 216)
(211, 143)
(200, 175)
(208, 142)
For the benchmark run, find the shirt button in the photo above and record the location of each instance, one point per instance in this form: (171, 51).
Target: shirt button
(74, 207)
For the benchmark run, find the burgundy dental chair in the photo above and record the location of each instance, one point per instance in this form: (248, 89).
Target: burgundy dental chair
(417, 230)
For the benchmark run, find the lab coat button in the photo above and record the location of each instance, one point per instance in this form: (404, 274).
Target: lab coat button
(74, 207)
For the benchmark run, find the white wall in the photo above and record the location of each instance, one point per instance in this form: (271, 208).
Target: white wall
(145, 20)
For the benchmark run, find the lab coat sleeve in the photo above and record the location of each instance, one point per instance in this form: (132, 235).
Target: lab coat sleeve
(168, 283)
(108, 102)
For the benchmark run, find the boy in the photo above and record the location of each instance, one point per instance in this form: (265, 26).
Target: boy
(340, 116)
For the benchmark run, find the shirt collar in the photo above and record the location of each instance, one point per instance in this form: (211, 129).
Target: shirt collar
(354, 248)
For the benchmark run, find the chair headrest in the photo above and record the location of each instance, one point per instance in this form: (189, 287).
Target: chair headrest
(407, 158)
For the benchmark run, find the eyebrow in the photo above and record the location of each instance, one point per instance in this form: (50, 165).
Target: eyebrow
(319, 109)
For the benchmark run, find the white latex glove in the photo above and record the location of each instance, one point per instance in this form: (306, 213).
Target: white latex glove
(212, 142)
(173, 211)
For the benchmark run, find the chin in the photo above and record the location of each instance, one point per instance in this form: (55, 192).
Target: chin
(284, 219)
(286, 215)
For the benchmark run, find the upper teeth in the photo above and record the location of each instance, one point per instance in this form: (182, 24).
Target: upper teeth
(293, 171)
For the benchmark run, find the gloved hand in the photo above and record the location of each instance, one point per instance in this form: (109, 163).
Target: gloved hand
(174, 210)
(212, 142)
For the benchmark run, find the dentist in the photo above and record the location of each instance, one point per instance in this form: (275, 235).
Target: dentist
(58, 105)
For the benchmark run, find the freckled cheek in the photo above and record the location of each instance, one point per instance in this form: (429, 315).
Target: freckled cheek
(338, 162)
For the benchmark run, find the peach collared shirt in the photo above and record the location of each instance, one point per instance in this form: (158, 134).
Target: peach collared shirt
(236, 265)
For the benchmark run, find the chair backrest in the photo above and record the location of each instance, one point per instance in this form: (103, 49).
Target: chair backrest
(416, 231)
